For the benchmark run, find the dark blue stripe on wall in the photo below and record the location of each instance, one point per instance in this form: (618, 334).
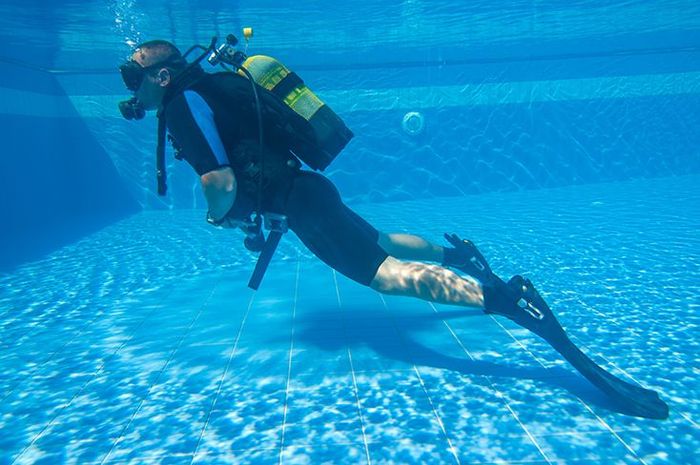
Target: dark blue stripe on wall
(546, 70)
(381, 57)
(394, 78)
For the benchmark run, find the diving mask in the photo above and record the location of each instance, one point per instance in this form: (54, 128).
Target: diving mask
(133, 73)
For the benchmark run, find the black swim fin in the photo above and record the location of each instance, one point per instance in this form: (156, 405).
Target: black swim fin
(533, 313)
(520, 302)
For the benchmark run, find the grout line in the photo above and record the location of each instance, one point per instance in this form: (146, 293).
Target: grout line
(452, 448)
(600, 420)
(162, 370)
(635, 331)
(49, 425)
(628, 375)
(289, 367)
(623, 371)
(689, 419)
(354, 379)
(617, 436)
(499, 394)
(608, 362)
(46, 316)
(51, 356)
(522, 346)
(223, 376)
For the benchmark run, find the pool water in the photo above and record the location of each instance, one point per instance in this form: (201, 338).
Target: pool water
(561, 137)
(142, 344)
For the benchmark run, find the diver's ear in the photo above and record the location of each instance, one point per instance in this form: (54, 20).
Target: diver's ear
(164, 77)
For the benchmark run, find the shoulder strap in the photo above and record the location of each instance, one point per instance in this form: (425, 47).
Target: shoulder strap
(160, 155)
(179, 84)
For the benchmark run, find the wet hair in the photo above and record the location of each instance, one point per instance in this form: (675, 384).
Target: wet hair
(161, 51)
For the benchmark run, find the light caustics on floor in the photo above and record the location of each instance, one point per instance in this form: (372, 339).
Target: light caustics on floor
(153, 351)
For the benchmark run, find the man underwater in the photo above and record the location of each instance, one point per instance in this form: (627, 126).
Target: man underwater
(212, 120)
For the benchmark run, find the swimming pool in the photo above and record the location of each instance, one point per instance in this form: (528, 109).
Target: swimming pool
(558, 137)
(172, 359)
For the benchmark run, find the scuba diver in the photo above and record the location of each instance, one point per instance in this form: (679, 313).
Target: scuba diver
(246, 131)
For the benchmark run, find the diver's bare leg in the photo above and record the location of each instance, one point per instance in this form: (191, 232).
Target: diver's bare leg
(428, 282)
(410, 247)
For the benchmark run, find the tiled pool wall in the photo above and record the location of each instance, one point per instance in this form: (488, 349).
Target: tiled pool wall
(494, 120)
(57, 182)
(488, 126)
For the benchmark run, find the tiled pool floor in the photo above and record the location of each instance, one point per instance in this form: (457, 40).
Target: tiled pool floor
(142, 344)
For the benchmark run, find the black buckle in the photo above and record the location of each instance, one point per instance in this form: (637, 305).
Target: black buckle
(288, 83)
(276, 222)
(530, 309)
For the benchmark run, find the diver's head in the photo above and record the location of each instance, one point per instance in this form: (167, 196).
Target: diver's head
(149, 71)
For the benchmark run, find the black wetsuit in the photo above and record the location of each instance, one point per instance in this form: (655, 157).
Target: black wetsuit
(213, 124)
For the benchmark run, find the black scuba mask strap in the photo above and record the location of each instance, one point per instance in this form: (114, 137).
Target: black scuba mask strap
(133, 73)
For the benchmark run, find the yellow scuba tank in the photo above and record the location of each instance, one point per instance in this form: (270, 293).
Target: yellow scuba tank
(332, 135)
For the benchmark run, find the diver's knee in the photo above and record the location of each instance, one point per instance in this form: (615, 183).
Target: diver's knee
(388, 277)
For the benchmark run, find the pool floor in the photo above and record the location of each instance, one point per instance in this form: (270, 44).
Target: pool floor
(142, 344)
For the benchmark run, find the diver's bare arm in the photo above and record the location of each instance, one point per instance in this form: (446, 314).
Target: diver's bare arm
(219, 188)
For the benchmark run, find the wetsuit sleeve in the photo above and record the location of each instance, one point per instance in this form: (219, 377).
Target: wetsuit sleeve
(191, 123)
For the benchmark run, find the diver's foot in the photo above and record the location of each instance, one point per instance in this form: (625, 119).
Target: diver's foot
(529, 300)
(516, 300)
(519, 301)
(467, 258)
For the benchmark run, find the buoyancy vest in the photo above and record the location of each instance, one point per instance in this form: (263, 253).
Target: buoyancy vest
(285, 133)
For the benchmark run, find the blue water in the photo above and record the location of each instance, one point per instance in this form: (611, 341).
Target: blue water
(561, 137)
(141, 343)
